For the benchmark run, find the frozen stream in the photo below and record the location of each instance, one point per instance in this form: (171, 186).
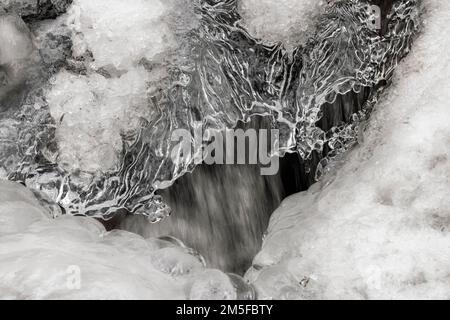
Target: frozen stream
(89, 133)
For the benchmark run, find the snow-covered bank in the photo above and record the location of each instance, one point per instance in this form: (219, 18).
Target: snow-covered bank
(379, 226)
(75, 258)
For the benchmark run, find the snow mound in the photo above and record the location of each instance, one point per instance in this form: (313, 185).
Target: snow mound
(279, 21)
(379, 227)
(120, 33)
(93, 112)
(75, 258)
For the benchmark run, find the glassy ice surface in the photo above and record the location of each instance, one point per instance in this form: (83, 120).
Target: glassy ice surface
(88, 101)
(96, 131)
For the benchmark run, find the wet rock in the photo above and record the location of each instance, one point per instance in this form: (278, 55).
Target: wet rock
(31, 10)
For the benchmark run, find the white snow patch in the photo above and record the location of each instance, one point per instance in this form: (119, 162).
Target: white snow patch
(279, 21)
(92, 112)
(75, 258)
(120, 33)
(93, 109)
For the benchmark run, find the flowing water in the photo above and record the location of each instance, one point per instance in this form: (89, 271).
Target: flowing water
(317, 95)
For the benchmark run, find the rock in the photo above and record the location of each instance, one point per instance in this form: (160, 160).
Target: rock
(31, 10)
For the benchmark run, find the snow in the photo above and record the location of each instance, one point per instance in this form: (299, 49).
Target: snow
(92, 112)
(17, 53)
(118, 32)
(17, 41)
(279, 21)
(378, 226)
(112, 40)
(41, 258)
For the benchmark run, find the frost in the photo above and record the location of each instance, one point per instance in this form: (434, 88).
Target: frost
(377, 228)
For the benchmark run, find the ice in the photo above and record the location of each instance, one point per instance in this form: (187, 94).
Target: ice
(184, 72)
(75, 258)
(23, 7)
(16, 54)
(93, 113)
(53, 38)
(15, 38)
(120, 33)
(378, 228)
(175, 261)
(279, 21)
(212, 285)
(108, 98)
(18, 212)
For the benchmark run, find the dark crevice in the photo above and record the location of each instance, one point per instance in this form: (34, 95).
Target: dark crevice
(47, 9)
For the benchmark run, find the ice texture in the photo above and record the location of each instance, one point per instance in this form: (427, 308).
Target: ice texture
(75, 258)
(211, 76)
(378, 225)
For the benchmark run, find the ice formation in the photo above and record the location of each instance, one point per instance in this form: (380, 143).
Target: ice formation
(280, 21)
(211, 76)
(377, 227)
(94, 113)
(75, 258)
(120, 34)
